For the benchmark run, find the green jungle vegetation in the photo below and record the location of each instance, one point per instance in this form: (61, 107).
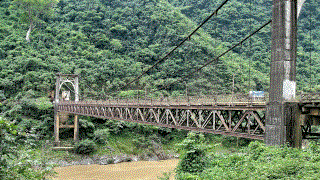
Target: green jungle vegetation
(108, 43)
(256, 161)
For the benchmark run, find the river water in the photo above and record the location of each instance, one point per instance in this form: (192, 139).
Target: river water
(139, 170)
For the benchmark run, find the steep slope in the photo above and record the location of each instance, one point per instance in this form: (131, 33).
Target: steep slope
(235, 21)
(108, 43)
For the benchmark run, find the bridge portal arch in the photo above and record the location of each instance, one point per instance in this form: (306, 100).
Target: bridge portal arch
(300, 4)
(64, 79)
(61, 117)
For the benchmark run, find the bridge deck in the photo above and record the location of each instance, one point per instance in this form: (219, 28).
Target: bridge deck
(192, 103)
(177, 106)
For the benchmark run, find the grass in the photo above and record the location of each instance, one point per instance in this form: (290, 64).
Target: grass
(121, 144)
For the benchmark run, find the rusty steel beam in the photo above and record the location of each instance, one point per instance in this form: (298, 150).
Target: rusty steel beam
(238, 121)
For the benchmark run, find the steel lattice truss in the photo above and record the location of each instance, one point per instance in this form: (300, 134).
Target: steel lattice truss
(240, 121)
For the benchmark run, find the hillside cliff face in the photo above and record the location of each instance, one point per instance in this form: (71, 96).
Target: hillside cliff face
(109, 42)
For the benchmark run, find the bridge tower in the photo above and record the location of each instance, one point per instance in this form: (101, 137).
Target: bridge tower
(59, 117)
(283, 114)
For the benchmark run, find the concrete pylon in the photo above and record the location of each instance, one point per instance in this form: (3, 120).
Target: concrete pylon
(282, 122)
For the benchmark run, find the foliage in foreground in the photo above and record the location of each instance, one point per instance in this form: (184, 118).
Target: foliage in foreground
(86, 146)
(256, 161)
(16, 162)
(193, 159)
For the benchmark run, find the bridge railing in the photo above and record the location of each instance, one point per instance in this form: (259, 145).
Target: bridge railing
(222, 99)
(312, 96)
(212, 100)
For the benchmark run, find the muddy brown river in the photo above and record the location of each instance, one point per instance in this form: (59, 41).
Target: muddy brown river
(142, 170)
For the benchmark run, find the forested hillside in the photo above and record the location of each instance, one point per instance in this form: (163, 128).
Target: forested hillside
(240, 16)
(110, 42)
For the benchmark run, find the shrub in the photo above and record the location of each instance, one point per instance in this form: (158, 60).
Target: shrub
(258, 161)
(86, 146)
(193, 159)
(16, 162)
(2, 96)
(131, 94)
(141, 142)
(187, 176)
(229, 142)
(101, 136)
(43, 104)
(165, 176)
(115, 127)
(86, 128)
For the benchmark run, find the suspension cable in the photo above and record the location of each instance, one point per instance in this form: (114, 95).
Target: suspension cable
(177, 46)
(222, 54)
(250, 46)
(310, 51)
(91, 89)
(88, 86)
(80, 97)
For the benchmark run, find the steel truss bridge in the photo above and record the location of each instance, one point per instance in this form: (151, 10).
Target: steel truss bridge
(279, 120)
(241, 119)
(232, 116)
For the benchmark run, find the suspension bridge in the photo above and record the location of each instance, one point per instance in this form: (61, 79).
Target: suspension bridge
(279, 118)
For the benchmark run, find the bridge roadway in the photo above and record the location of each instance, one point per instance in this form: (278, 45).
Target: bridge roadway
(240, 118)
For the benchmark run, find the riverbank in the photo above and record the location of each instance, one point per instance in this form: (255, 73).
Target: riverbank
(146, 170)
(104, 160)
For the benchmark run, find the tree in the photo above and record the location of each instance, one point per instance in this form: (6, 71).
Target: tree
(193, 159)
(33, 11)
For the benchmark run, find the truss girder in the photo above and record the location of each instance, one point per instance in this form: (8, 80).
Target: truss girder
(240, 122)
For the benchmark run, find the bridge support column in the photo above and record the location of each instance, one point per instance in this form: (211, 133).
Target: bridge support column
(282, 123)
(56, 128)
(76, 128)
(58, 125)
(60, 118)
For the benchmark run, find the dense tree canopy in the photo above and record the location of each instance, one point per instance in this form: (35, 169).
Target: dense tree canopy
(33, 10)
(110, 42)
